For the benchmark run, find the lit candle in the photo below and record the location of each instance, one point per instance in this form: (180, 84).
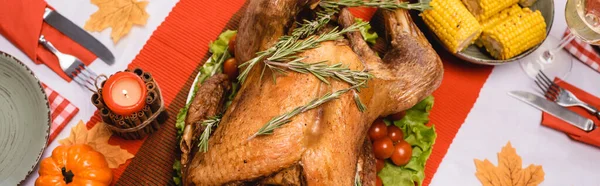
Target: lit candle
(124, 93)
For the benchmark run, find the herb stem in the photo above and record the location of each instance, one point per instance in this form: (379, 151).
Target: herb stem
(209, 124)
(279, 121)
(321, 70)
(287, 48)
(334, 5)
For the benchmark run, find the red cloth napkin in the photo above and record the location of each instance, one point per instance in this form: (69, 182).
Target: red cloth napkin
(61, 109)
(593, 137)
(21, 23)
(584, 52)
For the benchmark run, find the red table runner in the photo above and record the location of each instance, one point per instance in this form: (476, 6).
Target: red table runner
(180, 45)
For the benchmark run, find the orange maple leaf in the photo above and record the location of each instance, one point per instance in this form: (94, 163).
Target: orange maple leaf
(121, 15)
(97, 138)
(509, 171)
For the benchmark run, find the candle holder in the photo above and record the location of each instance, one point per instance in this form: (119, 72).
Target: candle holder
(138, 124)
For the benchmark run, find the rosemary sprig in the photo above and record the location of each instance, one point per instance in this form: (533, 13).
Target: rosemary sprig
(281, 120)
(288, 47)
(305, 29)
(209, 124)
(361, 107)
(321, 70)
(288, 52)
(309, 27)
(386, 4)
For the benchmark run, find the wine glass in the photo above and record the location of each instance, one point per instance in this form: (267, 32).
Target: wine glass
(550, 56)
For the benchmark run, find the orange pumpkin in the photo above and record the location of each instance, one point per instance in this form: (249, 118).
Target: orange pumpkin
(74, 165)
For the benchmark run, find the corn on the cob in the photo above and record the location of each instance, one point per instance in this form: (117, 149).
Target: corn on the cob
(500, 17)
(484, 9)
(517, 34)
(497, 19)
(526, 3)
(452, 23)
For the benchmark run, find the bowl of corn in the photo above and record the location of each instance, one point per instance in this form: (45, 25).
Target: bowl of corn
(490, 32)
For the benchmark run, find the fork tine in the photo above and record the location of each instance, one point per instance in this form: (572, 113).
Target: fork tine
(88, 72)
(547, 85)
(543, 85)
(546, 79)
(548, 94)
(89, 77)
(550, 97)
(83, 83)
(82, 78)
(92, 73)
(553, 86)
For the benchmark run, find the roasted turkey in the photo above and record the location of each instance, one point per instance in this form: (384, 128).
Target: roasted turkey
(326, 145)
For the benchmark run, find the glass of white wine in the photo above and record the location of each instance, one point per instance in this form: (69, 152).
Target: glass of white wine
(583, 21)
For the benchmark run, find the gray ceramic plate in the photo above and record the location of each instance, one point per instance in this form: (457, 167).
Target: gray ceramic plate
(24, 120)
(478, 55)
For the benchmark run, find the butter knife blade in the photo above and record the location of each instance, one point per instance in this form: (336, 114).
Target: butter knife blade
(78, 35)
(554, 109)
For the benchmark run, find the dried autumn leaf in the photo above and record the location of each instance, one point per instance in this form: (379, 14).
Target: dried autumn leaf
(120, 15)
(509, 171)
(97, 138)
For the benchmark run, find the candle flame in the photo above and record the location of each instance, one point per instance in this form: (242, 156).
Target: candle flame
(125, 93)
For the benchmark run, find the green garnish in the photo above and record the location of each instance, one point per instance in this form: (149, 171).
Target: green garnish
(220, 45)
(386, 4)
(177, 172)
(421, 138)
(213, 65)
(369, 36)
(279, 121)
(287, 47)
(321, 70)
(209, 123)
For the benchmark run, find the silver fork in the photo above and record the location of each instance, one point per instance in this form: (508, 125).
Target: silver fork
(561, 96)
(72, 66)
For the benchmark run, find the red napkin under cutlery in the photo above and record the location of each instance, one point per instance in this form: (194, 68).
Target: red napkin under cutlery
(593, 137)
(584, 52)
(62, 111)
(21, 22)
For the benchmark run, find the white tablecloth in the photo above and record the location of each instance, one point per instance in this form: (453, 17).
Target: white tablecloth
(494, 120)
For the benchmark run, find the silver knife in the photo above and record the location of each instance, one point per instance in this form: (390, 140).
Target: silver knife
(554, 109)
(78, 35)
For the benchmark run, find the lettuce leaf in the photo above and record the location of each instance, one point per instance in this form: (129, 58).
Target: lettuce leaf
(177, 172)
(220, 45)
(213, 65)
(421, 138)
(364, 31)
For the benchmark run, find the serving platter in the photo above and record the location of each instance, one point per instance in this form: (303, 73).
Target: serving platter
(24, 120)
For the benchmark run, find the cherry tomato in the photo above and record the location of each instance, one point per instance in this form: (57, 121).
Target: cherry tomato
(402, 153)
(397, 116)
(383, 148)
(230, 68)
(378, 130)
(231, 47)
(395, 134)
(379, 164)
(378, 182)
